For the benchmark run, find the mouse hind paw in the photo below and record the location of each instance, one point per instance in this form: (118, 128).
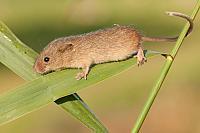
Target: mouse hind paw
(83, 74)
(141, 59)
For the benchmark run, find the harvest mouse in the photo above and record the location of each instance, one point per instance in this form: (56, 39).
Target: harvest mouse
(111, 44)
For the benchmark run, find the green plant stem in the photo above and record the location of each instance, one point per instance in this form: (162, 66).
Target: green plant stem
(163, 74)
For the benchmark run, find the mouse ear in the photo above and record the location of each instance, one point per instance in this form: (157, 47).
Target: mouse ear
(64, 47)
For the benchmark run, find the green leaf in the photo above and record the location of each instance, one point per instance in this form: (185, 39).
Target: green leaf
(48, 88)
(20, 58)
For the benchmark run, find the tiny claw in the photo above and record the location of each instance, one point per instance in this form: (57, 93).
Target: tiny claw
(81, 75)
(78, 78)
(85, 77)
(141, 61)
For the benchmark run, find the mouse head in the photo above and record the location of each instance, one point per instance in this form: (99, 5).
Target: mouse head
(52, 57)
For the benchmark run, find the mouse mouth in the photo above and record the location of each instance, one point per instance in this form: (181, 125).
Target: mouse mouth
(50, 71)
(47, 72)
(40, 70)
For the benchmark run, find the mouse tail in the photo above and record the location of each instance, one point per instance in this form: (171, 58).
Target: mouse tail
(171, 39)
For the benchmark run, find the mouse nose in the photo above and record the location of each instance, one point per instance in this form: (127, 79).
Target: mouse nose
(39, 67)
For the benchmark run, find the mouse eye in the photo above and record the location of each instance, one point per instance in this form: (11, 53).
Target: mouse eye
(46, 59)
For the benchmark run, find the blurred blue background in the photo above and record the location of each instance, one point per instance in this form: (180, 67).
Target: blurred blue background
(118, 100)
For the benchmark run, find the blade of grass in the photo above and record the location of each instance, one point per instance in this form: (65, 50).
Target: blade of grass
(163, 74)
(20, 58)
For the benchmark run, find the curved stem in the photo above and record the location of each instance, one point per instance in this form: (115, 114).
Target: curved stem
(163, 74)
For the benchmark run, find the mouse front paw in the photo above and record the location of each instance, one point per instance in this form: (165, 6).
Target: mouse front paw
(81, 75)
